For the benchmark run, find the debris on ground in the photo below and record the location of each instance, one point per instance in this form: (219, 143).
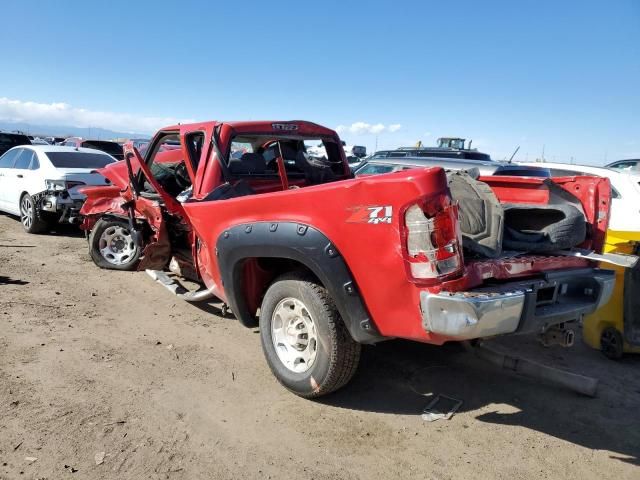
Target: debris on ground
(441, 407)
(117, 422)
(99, 458)
(30, 459)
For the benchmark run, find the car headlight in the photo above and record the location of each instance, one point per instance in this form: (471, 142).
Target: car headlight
(55, 185)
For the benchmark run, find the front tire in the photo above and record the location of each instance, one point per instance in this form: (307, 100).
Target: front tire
(304, 339)
(112, 246)
(30, 217)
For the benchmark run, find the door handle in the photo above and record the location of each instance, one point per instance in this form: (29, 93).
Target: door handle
(19, 175)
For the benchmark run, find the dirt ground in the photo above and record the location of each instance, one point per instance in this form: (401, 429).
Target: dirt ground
(98, 363)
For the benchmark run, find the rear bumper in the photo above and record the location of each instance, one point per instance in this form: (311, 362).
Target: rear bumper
(517, 307)
(68, 208)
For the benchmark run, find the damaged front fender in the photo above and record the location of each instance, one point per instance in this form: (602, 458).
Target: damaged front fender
(111, 201)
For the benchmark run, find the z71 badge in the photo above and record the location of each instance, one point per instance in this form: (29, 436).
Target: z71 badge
(371, 214)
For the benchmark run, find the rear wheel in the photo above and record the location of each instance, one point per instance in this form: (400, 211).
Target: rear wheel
(304, 339)
(112, 246)
(612, 343)
(30, 217)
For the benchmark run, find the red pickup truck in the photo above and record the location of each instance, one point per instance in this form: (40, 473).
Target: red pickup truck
(324, 262)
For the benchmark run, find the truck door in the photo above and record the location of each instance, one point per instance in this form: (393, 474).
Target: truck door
(155, 183)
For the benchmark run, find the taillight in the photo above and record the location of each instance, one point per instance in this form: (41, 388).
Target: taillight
(432, 240)
(70, 184)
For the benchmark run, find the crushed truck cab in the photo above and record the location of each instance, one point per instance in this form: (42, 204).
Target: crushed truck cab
(324, 262)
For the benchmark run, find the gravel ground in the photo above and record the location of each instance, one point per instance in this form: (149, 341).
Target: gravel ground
(105, 375)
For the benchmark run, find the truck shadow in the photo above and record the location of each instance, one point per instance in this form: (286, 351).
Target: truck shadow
(11, 281)
(66, 230)
(399, 377)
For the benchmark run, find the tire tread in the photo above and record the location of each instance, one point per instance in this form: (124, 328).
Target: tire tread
(345, 352)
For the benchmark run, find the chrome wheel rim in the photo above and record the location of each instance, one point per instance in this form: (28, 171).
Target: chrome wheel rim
(26, 211)
(294, 335)
(116, 245)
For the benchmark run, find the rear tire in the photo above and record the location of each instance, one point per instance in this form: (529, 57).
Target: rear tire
(304, 339)
(612, 343)
(31, 220)
(112, 246)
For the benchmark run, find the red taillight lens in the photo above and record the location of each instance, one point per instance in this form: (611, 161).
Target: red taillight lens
(70, 184)
(432, 241)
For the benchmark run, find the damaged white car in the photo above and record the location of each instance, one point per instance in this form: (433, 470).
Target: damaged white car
(40, 183)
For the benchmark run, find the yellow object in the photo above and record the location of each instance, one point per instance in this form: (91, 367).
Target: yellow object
(611, 315)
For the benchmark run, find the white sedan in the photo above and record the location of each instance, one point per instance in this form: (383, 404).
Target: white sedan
(40, 182)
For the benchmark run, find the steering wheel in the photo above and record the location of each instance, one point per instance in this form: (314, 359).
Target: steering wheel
(182, 176)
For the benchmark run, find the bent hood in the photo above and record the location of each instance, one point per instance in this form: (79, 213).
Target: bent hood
(117, 172)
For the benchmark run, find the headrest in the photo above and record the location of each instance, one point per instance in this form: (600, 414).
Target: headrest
(249, 163)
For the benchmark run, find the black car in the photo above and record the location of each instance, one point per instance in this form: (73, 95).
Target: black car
(10, 140)
(112, 148)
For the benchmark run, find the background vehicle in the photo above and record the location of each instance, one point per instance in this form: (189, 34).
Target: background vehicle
(10, 140)
(40, 183)
(354, 153)
(448, 147)
(141, 144)
(55, 140)
(374, 165)
(112, 148)
(632, 164)
(331, 262)
(615, 328)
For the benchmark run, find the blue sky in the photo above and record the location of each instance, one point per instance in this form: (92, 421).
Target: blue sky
(531, 73)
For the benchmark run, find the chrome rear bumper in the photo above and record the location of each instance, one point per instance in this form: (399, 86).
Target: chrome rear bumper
(517, 307)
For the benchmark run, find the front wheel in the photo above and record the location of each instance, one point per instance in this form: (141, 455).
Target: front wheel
(304, 339)
(112, 246)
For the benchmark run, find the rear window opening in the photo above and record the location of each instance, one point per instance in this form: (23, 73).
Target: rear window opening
(79, 159)
(257, 160)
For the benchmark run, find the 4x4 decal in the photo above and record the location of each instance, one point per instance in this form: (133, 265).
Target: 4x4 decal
(371, 214)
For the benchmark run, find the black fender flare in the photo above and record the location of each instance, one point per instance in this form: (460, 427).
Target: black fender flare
(301, 243)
